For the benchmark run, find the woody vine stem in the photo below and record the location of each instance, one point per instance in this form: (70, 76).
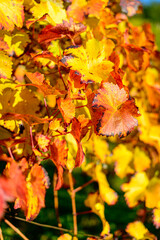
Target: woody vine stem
(73, 202)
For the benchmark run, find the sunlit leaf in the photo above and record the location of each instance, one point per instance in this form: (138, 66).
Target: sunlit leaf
(117, 112)
(136, 229)
(11, 13)
(135, 189)
(90, 62)
(5, 65)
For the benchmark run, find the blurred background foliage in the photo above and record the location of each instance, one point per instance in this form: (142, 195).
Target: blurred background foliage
(151, 14)
(88, 223)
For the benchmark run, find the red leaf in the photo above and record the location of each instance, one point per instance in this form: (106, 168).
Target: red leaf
(77, 134)
(59, 153)
(65, 29)
(116, 111)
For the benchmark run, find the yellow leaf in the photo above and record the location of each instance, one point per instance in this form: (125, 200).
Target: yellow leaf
(100, 148)
(11, 13)
(135, 189)
(16, 42)
(141, 160)
(108, 194)
(136, 229)
(95, 202)
(90, 62)
(153, 193)
(156, 217)
(65, 236)
(54, 8)
(5, 65)
(122, 158)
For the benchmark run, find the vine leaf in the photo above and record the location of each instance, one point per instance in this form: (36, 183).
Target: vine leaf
(62, 30)
(67, 109)
(137, 230)
(131, 7)
(116, 111)
(38, 81)
(11, 13)
(29, 119)
(91, 62)
(59, 154)
(5, 65)
(135, 189)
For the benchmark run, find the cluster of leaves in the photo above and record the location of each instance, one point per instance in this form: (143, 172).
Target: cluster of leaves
(71, 72)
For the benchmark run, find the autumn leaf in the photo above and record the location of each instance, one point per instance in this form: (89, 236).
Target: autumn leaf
(122, 158)
(116, 111)
(135, 189)
(37, 183)
(107, 194)
(38, 81)
(89, 62)
(5, 65)
(54, 9)
(137, 57)
(64, 29)
(95, 202)
(59, 154)
(137, 230)
(130, 7)
(29, 119)
(141, 160)
(67, 109)
(77, 134)
(11, 13)
(156, 217)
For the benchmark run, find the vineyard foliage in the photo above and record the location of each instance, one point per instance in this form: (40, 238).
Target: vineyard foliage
(79, 85)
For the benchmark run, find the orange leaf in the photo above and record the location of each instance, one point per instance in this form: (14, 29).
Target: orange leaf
(59, 154)
(37, 182)
(116, 111)
(11, 13)
(76, 132)
(138, 58)
(29, 119)
(130, 7)
(67, 109)
(65, 29)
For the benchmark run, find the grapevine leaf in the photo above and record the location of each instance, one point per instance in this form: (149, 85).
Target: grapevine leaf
(65, 29)
(116, 111)
(67, 109)
(135, 189)
(89, 62)
(37, 183)
(59, 154)
(137, 230)
(5, 65)
(54, 9)
(11, 13)
(130, 7)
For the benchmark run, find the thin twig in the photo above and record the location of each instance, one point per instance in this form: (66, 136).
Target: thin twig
(1, 235)
(56, 204)
(16, 229)
(57, 114)
(73, 203)
(31, 136)
(45, 103)
(85, 212)
(54, 227)
(10, 152)
(84, 185)
(59, 70)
